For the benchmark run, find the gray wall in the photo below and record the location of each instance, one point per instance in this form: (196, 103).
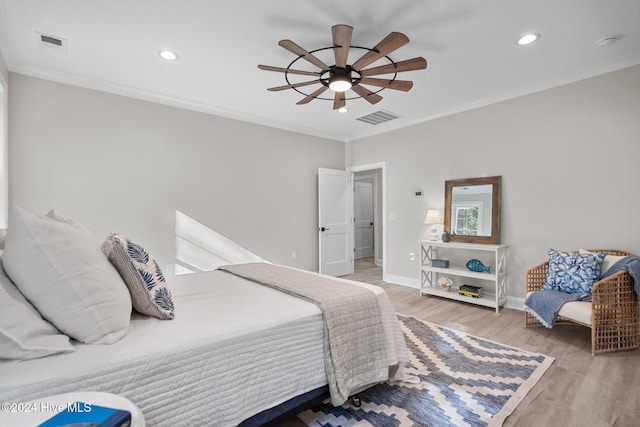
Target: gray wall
(569, 158)
(3, 69)
(4, 135)
(124, 165)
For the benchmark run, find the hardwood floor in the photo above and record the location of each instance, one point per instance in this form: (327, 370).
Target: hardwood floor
(578, 389)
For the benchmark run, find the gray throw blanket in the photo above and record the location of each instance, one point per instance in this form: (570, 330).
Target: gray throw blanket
(630, 263)
(354, 339)
(545, 304)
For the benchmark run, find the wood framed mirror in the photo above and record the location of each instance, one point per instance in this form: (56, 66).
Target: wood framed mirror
(472, 209)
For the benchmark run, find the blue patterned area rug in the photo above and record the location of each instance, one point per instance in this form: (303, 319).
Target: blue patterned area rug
(464, 381)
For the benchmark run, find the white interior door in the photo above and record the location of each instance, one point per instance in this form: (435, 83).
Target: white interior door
(335, 222)
(363, 207)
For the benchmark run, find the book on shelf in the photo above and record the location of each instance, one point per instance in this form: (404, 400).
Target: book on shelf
(470, 288)
(470, 294)
(87, 414)
(470, 291)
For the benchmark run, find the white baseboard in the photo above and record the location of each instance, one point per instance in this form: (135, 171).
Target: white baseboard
(515, 302)
(401, 280)
(378, 262)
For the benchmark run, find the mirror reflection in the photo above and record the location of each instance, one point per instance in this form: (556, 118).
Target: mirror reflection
(472, 209)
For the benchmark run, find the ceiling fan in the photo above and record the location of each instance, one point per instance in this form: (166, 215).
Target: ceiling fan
(342, 76)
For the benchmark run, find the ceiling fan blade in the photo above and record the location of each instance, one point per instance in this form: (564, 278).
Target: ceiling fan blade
(366, 94)
(387, 45)
(294, 48)
(341, 43)
(288, 70)
(312, 96)
(339, 100)
(407, 65)
(403, 85)
(277, 88)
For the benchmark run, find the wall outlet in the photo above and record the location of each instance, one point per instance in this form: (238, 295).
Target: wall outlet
(294, 255)
(412, 256)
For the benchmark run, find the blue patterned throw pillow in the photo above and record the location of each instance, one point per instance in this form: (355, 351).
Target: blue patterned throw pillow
(571, 272)
(147, 285)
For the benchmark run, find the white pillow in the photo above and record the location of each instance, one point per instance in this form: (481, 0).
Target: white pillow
(59, 267)
(607, 263)
(23, 333)
(141, 273)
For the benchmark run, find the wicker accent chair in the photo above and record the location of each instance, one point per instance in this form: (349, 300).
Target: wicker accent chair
(614, 308)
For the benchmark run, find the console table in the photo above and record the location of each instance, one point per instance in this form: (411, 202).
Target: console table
(495, 291)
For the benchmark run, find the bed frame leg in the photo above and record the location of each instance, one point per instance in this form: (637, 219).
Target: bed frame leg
(355, 399)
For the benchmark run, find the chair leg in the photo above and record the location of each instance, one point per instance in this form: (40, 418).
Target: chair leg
(614, 337)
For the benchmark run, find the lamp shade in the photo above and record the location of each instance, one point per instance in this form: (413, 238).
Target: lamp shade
(433, 217)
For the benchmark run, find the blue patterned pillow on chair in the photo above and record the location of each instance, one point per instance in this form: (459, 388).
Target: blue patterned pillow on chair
(571, 272)
(147, 285)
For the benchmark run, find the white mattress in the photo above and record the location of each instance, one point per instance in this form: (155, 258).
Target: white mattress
(234, 349)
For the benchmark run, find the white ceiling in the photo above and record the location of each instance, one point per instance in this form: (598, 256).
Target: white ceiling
(469, 45)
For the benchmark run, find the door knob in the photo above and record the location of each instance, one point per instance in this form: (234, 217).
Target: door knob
(324, 229)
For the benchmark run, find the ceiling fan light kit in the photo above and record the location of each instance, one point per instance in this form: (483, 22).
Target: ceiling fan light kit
(342, 77)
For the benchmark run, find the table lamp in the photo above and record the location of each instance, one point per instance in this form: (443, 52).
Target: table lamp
(434, 218)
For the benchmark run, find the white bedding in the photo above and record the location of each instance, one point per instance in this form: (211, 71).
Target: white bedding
(235, 348)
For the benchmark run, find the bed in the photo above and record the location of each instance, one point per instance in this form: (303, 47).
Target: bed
(234, 350)
(237, 348)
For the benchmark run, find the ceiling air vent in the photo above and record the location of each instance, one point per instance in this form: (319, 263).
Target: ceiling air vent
(378, 117)
(52, 43)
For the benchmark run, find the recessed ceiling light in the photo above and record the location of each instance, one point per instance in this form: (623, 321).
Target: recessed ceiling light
(343, 110)
(528, 39)
(169, 55)
(607, 41)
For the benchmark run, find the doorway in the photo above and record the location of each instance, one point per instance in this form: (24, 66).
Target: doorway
(363, 218)
(336, 218)
(368, 219)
